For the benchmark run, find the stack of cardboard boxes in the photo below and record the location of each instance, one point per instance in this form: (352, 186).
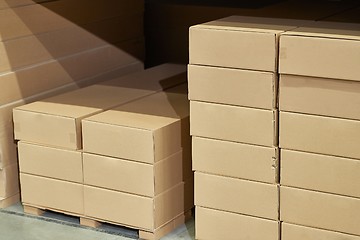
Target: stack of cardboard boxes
(136, 159)
(137, 163)
(44, 52)
(232, 87)
(320, 132)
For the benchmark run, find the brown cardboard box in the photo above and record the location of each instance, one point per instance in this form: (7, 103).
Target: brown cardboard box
(320, 210)
(36, 19)
(59, 118)
(137, 211)
(16, 53)
(52, 194)
(9, 183)
(233, 123)
(351, 15)
(233, 86)
(15, 3)
(317, 134)
(319, 96)
(235, 159)
(50, 162)
(8, 201)
(327, 50)
(69, 70)
(320, 172)
(236, 195)
(296, 232)
(134, 177)
(96, 10)
(238, 42)
(147, 130)
(214, 225)
(8, 153)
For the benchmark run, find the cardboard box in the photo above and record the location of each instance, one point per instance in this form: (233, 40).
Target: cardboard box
(9, 183)
(235, 160)
(317, 134)
(238, 42)
(17, 54)
(320, 210)
(147, 130)
(233, 123)
(96, 10)
(233, 86)
(137, 211)
(236, 195)
(50, 162)
(327, 50)
(213, 225)
(351, 15)
(8, 154)
(6, 202)
(296, 232)
(319, 96)
(98, 64)
(36, 19)
(52, 194)
(133, 177)
(56, 121)
(15, 3)
(320, 172)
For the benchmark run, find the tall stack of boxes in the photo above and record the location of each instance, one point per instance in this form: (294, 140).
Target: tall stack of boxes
(233, 115)
(52, 168)
(50, 48)
(319, 132)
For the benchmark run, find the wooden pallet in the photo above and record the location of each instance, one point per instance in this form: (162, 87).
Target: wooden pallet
(143, 234)
(95, 223)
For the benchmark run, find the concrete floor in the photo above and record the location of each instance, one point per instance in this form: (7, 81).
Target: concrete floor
(15, 225)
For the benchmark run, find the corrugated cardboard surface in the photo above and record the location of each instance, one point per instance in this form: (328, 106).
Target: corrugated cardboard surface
(214, 225)
(50, 162)
(96, 9)
(137, 211)
(56, 120)
(146, 179)
(236, 195)
(320, 172)
(320, 210)
(232, 86)
(317, 134)
(235, 159)
(236, 42)
(296, 232)
(319, 96)
(326, 50)
(240, 124)
(9, 182)
(71, 69)
(35, 19)
(16, 53)
(7, 145)
(6, 202)
(146, 130)
(50, 193)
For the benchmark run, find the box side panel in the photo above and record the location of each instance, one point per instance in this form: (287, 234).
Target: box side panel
(213, 225)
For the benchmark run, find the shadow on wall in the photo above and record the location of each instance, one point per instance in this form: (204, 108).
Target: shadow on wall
(51, 46)
(54, 43)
